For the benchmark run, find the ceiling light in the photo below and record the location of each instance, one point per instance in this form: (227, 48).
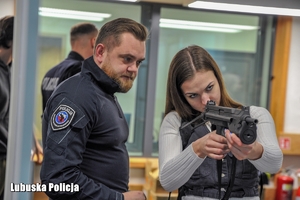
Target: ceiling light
(204, 26)
(245, 8)
(187, 27)
(128, 0)
(208, 24)
(72, 14)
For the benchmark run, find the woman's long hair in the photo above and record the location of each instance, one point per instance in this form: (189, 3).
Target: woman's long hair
(183, 66)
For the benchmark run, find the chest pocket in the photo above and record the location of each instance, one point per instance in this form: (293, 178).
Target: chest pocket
(65, 122)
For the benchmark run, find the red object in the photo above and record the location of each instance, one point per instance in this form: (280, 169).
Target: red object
(284, 190)
(298, 194)
(285, 143)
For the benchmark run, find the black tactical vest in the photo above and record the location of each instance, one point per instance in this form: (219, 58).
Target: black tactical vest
(204, 181)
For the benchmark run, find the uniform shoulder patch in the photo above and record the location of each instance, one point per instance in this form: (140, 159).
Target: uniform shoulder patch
(62, 117)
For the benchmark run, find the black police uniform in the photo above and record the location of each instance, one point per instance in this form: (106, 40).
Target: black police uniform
(67, 68)
(84, 134)
(4, 114)
(4, 107)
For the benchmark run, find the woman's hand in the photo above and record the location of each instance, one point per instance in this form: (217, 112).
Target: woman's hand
(243, 151)
(212, 145)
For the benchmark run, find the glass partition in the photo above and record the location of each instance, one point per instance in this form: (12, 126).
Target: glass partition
(231, 39)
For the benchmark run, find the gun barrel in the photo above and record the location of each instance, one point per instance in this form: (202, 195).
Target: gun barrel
(251, 120)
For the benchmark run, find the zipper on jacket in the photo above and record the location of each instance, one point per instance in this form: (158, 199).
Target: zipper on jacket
(118, 106)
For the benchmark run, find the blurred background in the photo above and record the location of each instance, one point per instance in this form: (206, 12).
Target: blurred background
(256, 52)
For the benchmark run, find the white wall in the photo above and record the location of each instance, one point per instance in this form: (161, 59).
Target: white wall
(6, 7)
(292, 107)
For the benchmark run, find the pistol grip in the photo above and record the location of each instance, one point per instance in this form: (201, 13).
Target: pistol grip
(220, 130)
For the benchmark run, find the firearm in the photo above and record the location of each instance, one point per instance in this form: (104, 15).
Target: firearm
(238, 121)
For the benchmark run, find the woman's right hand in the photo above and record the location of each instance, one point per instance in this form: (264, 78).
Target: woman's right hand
(212, 145)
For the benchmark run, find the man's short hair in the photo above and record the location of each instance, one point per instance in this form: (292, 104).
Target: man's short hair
(82, 29)
(109, 34)
(6, 31)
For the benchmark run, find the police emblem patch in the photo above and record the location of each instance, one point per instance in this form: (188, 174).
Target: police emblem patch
(62, 117)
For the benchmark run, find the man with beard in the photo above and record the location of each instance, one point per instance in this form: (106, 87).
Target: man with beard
(84, 128)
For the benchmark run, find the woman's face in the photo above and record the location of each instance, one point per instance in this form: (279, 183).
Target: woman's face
(202, 87)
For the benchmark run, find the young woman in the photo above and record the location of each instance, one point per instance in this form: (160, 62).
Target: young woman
(195, 159)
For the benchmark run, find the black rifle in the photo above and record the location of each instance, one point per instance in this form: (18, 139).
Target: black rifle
(237, 120)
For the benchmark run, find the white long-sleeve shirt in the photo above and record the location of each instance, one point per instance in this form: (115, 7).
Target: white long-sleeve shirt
(177, 166)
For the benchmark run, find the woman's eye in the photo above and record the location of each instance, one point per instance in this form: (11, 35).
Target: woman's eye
(209, 88)
(192, 95)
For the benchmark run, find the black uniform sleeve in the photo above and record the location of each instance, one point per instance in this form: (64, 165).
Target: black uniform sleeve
(65, 132)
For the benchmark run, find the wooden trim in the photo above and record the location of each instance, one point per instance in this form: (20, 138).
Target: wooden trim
(280, 70)
(136, 186)
(137, 162)
(279, 85)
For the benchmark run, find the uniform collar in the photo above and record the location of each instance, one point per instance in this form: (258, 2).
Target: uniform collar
(101, 78)
(75, 56)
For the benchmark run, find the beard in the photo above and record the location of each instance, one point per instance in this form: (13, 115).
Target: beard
(125, 82)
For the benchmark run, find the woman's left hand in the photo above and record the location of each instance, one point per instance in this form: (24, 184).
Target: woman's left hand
(243, 151)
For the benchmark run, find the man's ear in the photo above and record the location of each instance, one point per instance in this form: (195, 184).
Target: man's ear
(92, 42)
(100, 53)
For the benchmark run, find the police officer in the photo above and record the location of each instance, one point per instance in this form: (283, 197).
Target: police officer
(84, 128)
(82, 38)
(6, 37)
(6, 55)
